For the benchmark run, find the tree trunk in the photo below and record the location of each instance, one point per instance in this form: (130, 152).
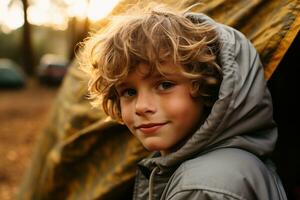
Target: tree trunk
(27, 45)
(78, 32)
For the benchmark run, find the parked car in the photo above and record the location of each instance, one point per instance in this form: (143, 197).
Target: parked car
(11, 74)
(52, 69)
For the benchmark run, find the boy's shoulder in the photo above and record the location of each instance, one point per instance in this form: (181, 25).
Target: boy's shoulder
(230, 171)
(228, 158)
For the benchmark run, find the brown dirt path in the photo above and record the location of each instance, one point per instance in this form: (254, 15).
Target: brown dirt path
(23, 115)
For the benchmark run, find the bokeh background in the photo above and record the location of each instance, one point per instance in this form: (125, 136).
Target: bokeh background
(35, 35)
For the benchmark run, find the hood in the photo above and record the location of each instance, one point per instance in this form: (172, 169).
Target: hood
(242, 116)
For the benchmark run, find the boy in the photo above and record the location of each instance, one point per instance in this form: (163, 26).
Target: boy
(193, 91)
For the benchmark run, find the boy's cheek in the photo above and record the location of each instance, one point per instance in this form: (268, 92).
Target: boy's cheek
(127, 119)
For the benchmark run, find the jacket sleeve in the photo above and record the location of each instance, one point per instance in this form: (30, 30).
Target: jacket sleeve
(204, 195)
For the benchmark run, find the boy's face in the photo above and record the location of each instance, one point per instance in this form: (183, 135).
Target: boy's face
(159, 110)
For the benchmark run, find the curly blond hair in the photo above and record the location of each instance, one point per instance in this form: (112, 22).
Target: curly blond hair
(151, 35)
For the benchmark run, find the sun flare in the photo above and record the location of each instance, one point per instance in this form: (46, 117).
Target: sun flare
(99, 9)
(49, 13)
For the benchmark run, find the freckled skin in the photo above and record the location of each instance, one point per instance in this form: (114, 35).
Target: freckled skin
(159, 110)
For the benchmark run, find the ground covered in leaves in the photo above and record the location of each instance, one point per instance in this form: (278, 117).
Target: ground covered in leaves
(23, 115)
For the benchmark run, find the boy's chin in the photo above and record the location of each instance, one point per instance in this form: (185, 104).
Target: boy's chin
(155, 147)
(151, 147)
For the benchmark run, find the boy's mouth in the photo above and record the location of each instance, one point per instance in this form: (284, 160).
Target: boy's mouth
(150, 127)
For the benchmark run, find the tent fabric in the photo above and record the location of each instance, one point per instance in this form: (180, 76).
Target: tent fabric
(82, 154)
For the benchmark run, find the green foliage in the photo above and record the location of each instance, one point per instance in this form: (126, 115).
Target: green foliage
(47, 40)
(11, 46)
(44, 40)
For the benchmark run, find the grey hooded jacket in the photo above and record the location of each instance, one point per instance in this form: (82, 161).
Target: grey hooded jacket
(227, 157)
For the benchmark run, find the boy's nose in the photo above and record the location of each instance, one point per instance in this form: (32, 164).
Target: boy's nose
(145, 104)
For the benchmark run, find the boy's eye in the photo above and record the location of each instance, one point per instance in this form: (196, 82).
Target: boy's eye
(128, 92)
(165, 85)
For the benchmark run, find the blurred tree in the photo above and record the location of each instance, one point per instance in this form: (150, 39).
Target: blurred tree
(78, 31)
(27, 44)
(27, 53)
(78, 27)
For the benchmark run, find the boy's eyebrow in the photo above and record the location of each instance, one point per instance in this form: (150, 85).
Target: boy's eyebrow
(165, 75)
(156, 75)
(121, 85)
